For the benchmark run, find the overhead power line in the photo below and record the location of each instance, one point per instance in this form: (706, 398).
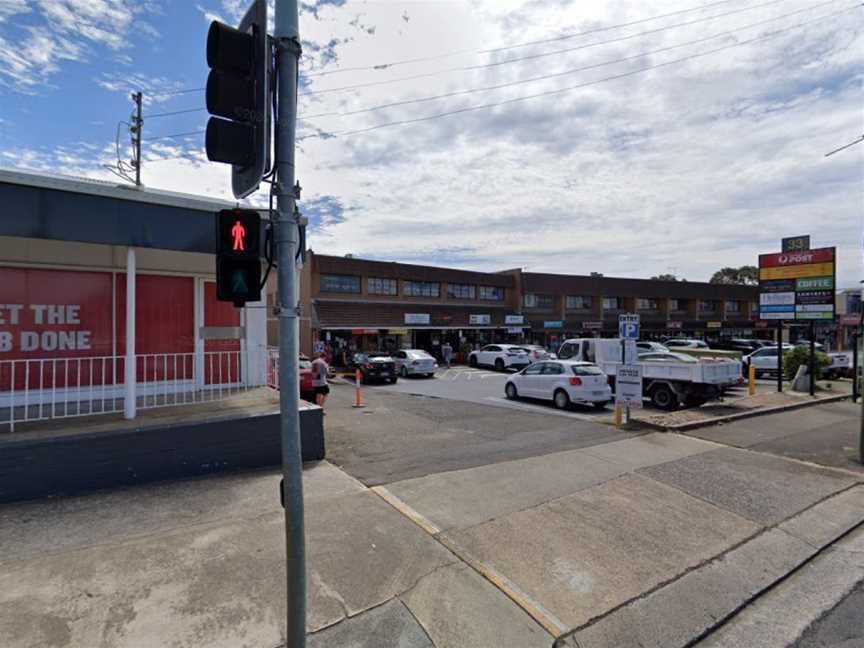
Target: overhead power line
(175, 112)
(559, 91)
(565, 72)
(845, 146)
(519, 59)
(160, 137)
(392, 64)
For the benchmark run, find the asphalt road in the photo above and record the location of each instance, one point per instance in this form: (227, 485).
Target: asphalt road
(842, 627)
(400, 436)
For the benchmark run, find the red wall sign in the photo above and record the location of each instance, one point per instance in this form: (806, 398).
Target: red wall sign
(820, 255)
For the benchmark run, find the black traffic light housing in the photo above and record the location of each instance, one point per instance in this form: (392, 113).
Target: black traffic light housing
(238, 95)
(238, 256)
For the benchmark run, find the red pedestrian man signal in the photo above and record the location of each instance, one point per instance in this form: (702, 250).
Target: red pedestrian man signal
(238, 232)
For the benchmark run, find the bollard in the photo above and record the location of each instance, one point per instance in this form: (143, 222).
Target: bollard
(751, 377)
(358, 399)
(618, 415)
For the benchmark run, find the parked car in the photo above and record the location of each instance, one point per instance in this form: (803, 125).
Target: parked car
(686, 343)
(374, 366)
(646, 346)
(411, 362)
(744, 345)
(764, 360)
(538, 353)
(500, 356)
(667, 380)
(564, 382)
(307, 389)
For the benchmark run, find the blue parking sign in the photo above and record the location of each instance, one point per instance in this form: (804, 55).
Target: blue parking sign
(628, 326)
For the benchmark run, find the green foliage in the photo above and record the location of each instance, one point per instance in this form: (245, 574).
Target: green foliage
(745, 275)
(666, 277)
(801, 356)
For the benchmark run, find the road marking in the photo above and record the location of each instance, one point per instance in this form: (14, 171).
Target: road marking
(542, 409)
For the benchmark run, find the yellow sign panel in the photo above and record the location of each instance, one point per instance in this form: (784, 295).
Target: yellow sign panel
(397, 331)
(796, 271)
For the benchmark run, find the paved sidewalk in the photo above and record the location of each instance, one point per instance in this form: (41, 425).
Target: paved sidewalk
(643, 541)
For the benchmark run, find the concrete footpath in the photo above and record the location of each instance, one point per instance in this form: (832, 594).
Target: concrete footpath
(657, 540)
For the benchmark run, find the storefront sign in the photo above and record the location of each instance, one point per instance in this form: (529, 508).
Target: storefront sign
(592, 326)
(476, 319)
(364, 331)
(628, 326)
(674, 325)
(797, 284)
(512, 320)
(397, 331)
(795, 243)
(417, 318)
(715, 325)
(553, 324)
(850, 320)
(628, 385)
(517, 330)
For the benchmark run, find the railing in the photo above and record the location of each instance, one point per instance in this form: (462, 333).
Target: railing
(55, 388)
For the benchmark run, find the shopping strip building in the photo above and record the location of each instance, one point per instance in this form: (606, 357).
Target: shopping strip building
(369, 304)
(108, 312)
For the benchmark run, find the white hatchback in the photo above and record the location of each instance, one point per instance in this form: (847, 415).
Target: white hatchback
(561, 381)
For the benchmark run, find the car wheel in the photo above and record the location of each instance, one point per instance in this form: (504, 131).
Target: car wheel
(472, 361)
(393, 381)
(404, 371)
(561, 399)
(430, 375)
(663, 397)
(499, 364)
(510, 390)
(601, 405)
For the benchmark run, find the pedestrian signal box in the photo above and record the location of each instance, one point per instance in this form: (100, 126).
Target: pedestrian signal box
(238, 256)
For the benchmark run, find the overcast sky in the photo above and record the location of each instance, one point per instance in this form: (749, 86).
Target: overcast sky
(631, 162)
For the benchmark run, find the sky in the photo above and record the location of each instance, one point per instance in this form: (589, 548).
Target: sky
(627, 137)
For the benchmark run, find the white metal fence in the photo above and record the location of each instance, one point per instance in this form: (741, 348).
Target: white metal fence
(53, 388)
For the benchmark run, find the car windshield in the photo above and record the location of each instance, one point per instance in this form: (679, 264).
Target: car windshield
(586, 370)
(421, 355)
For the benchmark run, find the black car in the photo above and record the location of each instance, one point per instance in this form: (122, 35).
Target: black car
(374, 366)
(744, 345)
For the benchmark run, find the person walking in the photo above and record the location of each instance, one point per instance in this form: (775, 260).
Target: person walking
(447, 353)
(320, 370)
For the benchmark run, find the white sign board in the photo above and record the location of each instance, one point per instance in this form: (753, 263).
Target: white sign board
(628, 386)
(512, 320)
(479, 319)
(417, 318)
(628, 326)
(631, 355)
(514, 330)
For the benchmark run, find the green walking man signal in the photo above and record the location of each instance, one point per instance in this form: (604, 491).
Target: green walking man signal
(238, 256)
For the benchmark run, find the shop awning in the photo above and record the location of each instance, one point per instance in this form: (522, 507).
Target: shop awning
(367, 315)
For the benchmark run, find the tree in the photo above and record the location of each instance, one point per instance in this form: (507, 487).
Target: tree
(800, 356)
(745, 275)
(666, 277)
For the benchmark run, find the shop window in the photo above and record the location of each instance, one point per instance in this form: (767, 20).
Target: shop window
(340, 283)
(578, 302)
(491, 293)
(613, 303)
(708, 306)
(733, 306)
(646, 304)
(421, 288)
(461, 291)
(378, 286)
(537, 301)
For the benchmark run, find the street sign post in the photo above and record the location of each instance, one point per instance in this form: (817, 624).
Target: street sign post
(628, 386)
(628, 326)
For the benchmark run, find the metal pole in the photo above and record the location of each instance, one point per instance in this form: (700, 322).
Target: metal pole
(130, 375)
(139, 127)
(812, 358)
(287, 41)
(779, 355)
(855, 338)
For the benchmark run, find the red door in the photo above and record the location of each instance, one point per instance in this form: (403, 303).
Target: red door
(221, 357)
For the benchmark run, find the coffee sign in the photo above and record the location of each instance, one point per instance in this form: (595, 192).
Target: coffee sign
(797, 284)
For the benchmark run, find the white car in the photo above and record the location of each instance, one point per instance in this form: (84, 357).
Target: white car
(500, 356)
(764, 360)
(645, 346)
(538, 352)
(561, 381)
(411, 362)
(684, 343)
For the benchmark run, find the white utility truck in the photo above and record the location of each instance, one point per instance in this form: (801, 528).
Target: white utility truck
(669, 379)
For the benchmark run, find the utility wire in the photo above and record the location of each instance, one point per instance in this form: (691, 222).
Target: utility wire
(175, 112)
(565, 72)
(519, 59)
(392, 64)
(171, 93)
(159, 137)
(558, 91)
(844, 147)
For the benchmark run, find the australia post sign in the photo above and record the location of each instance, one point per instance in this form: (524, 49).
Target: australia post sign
(797, 285)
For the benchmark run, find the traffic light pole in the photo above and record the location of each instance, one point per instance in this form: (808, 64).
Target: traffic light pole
(287, 42)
